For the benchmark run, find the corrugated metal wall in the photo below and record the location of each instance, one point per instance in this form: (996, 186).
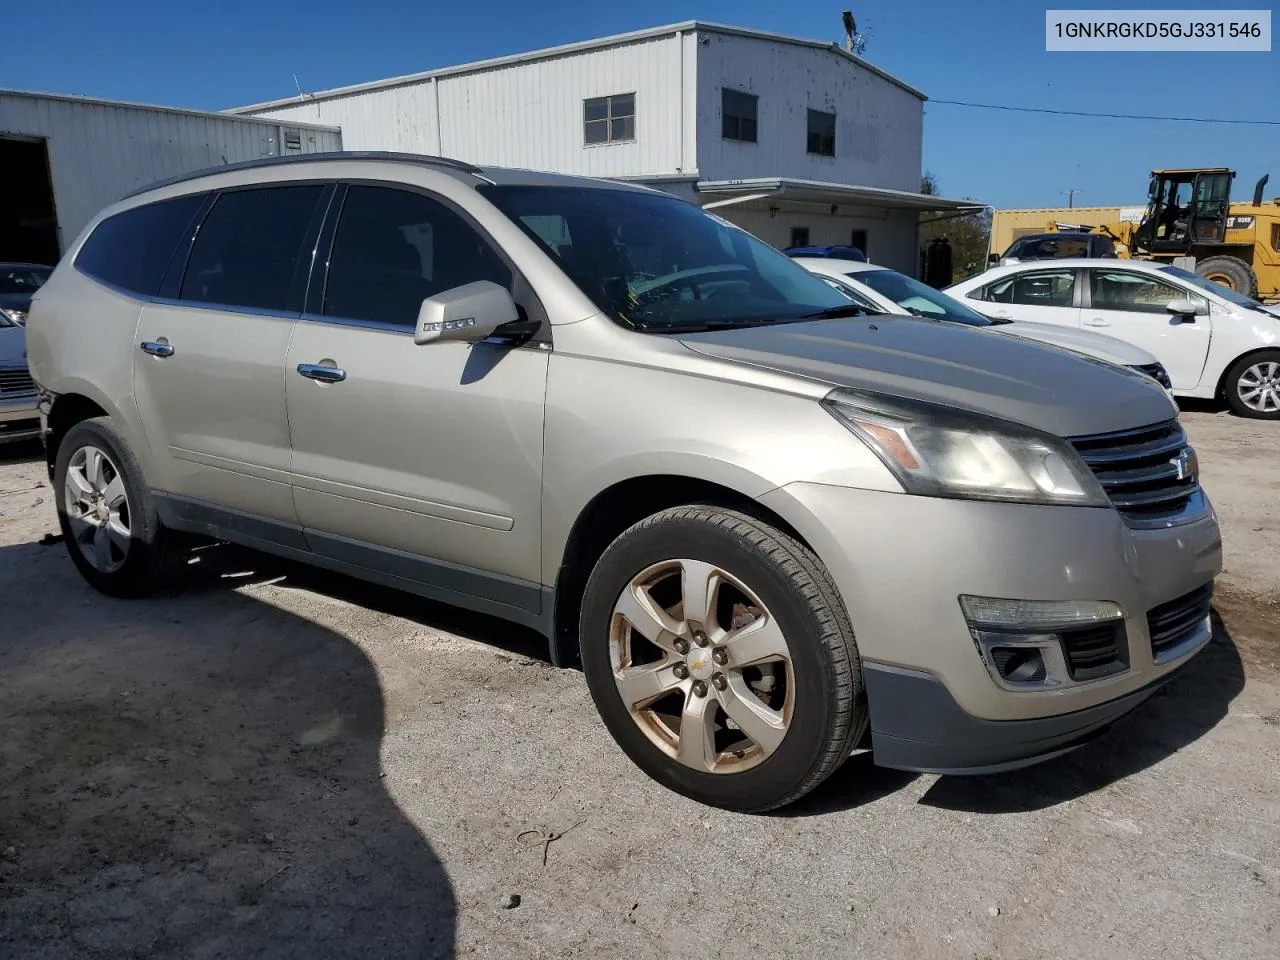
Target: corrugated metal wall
(879, 125)
(99, 151)
(530, 114)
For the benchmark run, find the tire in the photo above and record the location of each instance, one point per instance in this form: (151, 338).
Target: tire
(141, 555)
(1230, 272)
(1257, 378)
(778, 594)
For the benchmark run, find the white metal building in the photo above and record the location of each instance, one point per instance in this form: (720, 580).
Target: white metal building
(65, 158)
(796, 140)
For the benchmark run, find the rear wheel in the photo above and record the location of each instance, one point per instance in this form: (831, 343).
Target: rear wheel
(1230, 272)
(1253, 385)
(721, 658)
(107, 514)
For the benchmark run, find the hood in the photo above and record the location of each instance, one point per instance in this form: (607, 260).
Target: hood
(13, 347)
(972, 368)
(1111, 349)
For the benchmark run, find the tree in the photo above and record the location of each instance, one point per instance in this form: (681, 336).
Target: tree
(969, 235)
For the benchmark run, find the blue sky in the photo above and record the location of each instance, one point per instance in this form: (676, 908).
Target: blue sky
(214, 56)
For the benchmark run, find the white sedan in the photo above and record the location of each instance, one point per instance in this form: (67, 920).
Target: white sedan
(887, 291)
(1213, 341)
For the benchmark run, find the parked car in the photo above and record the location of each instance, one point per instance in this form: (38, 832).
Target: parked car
(838, 252)
(1214, 341)
(887, 291)
(19, 414)
(762, 522)
(18, 282)
(1056, 246)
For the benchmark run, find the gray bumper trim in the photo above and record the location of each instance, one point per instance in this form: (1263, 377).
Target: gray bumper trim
(917, 725)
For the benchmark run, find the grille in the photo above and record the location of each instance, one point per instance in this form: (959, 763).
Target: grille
(1177, 621)
(1147, 473)
(1094, 652)
(1156, 372)
(16, 383)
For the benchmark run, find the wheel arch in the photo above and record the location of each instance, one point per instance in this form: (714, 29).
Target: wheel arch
(611, 511)
(1221, 390)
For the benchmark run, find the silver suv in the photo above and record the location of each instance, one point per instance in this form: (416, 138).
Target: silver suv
(764, 522)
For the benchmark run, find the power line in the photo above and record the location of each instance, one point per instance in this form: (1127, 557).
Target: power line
(1109, 116)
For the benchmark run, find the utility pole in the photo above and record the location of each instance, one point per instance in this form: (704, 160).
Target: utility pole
(1071, 196)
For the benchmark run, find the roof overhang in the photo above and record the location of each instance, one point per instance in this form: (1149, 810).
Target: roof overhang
(722, 193)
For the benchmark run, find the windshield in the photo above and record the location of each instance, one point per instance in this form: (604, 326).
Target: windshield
(655, 263)
(919, 298)
(14, 279)
(1226, 293)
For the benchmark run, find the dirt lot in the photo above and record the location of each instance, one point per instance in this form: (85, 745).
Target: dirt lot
(277, 762)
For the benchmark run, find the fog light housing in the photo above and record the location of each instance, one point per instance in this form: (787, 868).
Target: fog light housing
(1047, 644)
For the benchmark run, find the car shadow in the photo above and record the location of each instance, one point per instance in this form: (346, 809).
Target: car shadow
(1178, 714)
(22, 451)
(197, 775)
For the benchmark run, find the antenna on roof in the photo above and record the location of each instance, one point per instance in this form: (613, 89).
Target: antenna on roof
(298, 85)
(854, 42)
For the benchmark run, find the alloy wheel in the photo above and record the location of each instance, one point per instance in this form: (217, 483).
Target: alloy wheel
(1259, 387)
(702, 666)
(97, 508)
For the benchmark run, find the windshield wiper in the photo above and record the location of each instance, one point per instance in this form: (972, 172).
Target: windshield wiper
(844, 310)
(701, 326)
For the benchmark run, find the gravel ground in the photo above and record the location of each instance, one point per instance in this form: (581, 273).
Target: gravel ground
(277, 762)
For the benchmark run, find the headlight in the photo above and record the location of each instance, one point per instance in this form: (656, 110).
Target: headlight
(937, 451)
(1156, 372)
(16, 316)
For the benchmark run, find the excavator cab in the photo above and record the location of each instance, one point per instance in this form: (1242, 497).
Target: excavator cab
(1185, 209)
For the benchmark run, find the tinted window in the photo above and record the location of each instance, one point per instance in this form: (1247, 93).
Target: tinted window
(1044, 288)
(248, 247)
(132, 249)
(394, 249)
(822, 133)
(738, 115)
(1133, 292)
(654, 262)
(22, 279)
(919, 298)
(1215, 288)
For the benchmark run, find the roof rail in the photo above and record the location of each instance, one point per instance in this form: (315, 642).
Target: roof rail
(417, 158)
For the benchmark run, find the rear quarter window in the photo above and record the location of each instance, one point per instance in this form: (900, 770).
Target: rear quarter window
(132, 249)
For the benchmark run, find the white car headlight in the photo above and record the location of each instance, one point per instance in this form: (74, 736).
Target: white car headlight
(15, 315)
(938, 451)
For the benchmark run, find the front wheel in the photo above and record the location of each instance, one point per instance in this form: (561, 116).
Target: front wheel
(721, 658)
(1253, 385)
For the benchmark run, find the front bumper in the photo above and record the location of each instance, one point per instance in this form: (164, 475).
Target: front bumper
(19, 418)
(901, 563)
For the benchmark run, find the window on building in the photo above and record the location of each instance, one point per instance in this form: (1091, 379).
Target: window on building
(132, 249)
(858, 239)
(738, 115)
(822, 133)
(609, 119)
(248, 247)
(799, 237)
(394, 248)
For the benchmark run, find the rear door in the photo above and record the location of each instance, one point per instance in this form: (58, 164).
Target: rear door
(1132, 306)
(209, 360)
(1036, 296)
(421, 462)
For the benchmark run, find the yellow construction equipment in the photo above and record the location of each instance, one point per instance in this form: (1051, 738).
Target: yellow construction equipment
(1189, 214)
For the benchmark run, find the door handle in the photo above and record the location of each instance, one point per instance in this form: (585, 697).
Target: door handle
(157, 348)
(322, 372)
(1097, 322)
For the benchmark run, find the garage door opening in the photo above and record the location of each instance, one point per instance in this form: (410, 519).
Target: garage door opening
(28, 222)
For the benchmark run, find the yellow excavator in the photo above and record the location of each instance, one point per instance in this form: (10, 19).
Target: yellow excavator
(1190, 214)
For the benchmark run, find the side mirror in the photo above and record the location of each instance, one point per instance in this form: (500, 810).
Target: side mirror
(467, 313)
(1188, 309)
(993, 259)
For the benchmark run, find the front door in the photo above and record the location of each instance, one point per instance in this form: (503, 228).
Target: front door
(1132, 306)
(421, 462)
(208, 369)
(1209, 209)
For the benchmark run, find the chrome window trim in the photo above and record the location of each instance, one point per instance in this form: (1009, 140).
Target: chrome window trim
(225, 308)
